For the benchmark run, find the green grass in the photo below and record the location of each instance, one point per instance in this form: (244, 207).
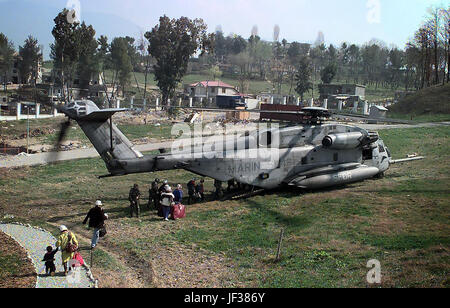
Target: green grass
(422, 118)
(401, 220)
(426, 102)
(255, 86)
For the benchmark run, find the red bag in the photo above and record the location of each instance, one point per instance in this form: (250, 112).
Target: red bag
(79, 258)
(178, 211)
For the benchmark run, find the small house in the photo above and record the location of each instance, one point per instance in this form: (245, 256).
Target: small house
(209, 89)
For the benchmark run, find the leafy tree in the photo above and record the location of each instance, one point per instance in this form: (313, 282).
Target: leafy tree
(328, 73)
(303, 77)
(215, 72)
(172, 43)
(6, 57)
(238, 45)
(103, 55)
(121, 62)
(29, 57)
(65, 51)
(88, 64)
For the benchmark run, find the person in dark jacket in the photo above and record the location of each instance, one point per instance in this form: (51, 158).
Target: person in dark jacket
(200, 190)
(49, 259)
(97, 218)
(219, 192)
(134, 197)
(191, 191)
(153, 196)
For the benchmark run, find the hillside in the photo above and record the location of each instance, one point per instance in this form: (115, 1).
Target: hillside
(434, 100)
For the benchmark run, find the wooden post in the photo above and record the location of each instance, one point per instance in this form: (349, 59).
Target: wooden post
(279, 244)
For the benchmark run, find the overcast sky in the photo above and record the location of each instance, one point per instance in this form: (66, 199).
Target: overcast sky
(355, 21)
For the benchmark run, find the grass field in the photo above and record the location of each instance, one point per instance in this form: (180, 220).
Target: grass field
(329, 236)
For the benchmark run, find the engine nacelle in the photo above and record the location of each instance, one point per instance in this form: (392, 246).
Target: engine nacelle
(343, 141)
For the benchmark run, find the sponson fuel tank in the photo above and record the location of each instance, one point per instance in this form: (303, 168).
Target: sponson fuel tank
(336, 178)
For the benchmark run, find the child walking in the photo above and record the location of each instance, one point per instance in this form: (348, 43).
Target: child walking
(49, 259)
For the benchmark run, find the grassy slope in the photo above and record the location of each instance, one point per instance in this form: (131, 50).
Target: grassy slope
(433, 100)
(255, 86)
(401, 220)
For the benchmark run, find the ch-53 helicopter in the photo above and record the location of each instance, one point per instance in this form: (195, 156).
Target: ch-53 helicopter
(313, 155)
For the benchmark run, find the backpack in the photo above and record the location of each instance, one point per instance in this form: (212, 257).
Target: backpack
(71, 247)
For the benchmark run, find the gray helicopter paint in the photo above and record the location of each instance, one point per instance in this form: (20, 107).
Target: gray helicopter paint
(300, 156)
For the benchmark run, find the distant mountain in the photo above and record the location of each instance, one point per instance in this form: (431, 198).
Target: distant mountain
(18, 19)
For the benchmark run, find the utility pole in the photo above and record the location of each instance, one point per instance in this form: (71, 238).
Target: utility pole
(28, 127)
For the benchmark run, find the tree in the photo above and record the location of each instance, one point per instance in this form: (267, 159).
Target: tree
(6, 58)
(145, 58)
(172, 43)
(88, 64)
(238, 45)
(121, 63)
(328, 73)
(30, 56)
(303, 77)
(445, 36)
(396, 62)
(103, 55)
(215, 72)
(354, 59)
(433, 27)
(65, 51)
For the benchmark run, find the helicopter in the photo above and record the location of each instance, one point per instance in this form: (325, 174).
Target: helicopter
(313, 155)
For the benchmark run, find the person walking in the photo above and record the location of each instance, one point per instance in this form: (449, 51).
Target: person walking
(134, 197)
(96, 217)
(68, 243)
(167, 198)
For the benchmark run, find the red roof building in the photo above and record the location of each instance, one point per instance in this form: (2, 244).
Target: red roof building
(210, 89)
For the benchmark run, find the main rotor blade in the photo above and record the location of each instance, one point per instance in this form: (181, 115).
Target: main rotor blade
(61, 135)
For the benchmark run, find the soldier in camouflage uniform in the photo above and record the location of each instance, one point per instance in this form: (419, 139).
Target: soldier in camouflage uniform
(134, 197)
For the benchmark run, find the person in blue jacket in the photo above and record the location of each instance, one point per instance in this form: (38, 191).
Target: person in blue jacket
(178, 193)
